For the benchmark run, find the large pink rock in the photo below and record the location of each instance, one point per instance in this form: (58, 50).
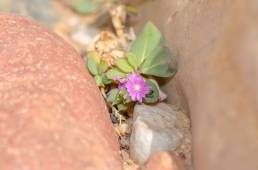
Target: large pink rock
(52, 116)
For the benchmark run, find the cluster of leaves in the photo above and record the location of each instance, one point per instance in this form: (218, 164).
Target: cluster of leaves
(146, 56)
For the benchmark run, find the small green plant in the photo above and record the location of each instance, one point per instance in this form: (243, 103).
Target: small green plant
(133, 78)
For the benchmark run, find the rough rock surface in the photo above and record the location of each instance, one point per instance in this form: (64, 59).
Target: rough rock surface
(217, 78)
(164, 161)
(154, 129)
(52, 116)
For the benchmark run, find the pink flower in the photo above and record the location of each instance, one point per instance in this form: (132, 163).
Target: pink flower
(121, 84)
(137, 87)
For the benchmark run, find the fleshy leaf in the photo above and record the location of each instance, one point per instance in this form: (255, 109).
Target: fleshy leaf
(115, 73)
(132, 60)
(92, 62)
(125, 96)
(157, 64)
(146, 42)
(123, 65)
(102, 66)
(112, 95)
(102, 79)
(153, 97)
(170, 72)
(105, 79)
(98, 80)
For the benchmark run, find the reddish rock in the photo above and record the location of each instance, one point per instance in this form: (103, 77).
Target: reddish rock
(52, 116)
(164, 161)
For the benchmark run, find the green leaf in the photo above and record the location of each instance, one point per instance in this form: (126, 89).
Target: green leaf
(146, 42)
(132, 60)
(102, 80)
(153, 97)
(125, 96)
(86, 6)
(92, 63)
(102, 66)
(115, 73)
(98, 80)
(157, 64)
(112, 95)
(170, 72)
(123, 65)
(105, 79)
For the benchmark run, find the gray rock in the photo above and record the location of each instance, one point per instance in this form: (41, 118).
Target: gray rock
(154, 129)
(39, 10)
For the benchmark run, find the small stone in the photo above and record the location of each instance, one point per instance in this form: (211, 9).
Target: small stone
(125, 128)
(154, 129)
(124, 142)
(122, 129)
(164, 161)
